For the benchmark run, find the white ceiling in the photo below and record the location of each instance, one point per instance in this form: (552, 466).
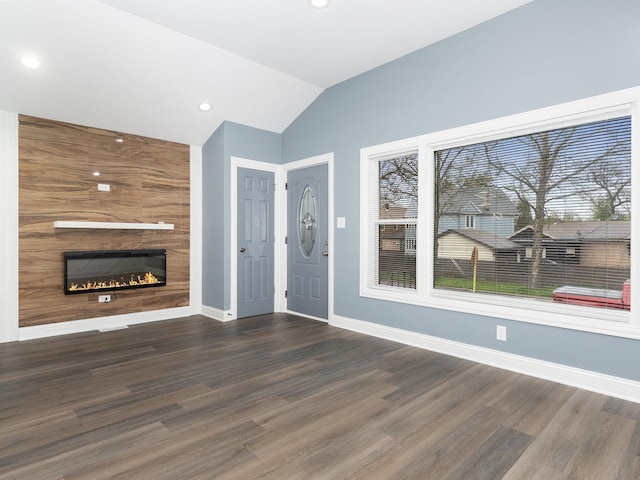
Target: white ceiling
(143, 66)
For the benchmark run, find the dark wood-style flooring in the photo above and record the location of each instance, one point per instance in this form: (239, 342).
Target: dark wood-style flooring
(282, 397)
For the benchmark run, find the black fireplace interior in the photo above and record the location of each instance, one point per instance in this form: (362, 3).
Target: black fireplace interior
(105, 270)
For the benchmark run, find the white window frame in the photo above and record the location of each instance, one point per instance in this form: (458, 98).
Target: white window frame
(371, 254)
(470, 221)
(591, 319)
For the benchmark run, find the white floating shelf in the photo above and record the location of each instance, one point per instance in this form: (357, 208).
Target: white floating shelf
(113, 225)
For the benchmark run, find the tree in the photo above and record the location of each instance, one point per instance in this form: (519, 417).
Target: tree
(524, 218)
(601, 209)
(399, 181)
(546, 167)
(613, 197)
(456, 169)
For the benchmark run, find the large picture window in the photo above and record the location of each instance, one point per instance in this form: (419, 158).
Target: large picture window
(529, 217)
(552, 214)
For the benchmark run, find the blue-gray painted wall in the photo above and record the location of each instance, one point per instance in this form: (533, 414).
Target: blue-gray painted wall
(545, 53)
(229, 140)
(213, 213)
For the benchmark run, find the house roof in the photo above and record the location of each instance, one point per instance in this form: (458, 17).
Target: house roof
(525, 234)
(483, 237)
(580, 231)
(478, 201)
(142, 66)
(619, 229)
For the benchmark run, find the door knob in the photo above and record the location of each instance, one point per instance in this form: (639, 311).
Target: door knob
(242, 249)
(325, 254)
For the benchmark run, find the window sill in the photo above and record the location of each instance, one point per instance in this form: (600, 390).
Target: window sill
(586, 319)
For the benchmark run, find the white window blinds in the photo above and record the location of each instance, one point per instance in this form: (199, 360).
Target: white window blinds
(544, 215)
(393, 216)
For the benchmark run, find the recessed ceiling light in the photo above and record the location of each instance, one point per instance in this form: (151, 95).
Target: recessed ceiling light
(30, 61)
(204, 107)
(119, 140)
(96, 174)
(319, 3)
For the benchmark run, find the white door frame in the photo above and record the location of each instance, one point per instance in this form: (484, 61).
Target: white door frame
(279, 228)
(327, 159)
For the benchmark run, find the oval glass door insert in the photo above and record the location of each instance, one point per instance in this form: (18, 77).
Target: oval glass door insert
(307, 221)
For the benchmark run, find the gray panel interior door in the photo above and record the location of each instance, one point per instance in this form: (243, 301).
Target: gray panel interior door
(307, 241)
(255, 242)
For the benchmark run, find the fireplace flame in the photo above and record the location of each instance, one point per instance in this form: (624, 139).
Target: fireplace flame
(147, 279)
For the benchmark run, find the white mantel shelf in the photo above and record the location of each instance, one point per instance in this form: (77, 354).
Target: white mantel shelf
(113, 225)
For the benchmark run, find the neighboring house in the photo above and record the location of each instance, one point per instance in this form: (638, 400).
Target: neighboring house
(481, 208)
(592, 244)
(392, 238)
(487, 210)
(524, 239)
(397, 265)
(458, 244)
(392, 235)
(398, 237)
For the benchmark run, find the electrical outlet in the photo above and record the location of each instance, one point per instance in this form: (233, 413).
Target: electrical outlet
(104, 298)
(501, 332)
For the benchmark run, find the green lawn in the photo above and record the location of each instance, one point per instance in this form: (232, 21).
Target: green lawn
(494, 287)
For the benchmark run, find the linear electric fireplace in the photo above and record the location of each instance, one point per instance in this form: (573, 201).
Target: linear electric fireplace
(86, 272)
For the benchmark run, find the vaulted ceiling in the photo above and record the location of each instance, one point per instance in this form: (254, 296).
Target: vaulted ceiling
(143, 66)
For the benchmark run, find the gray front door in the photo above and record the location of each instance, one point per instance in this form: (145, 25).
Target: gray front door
(255, 242)
(307, 241)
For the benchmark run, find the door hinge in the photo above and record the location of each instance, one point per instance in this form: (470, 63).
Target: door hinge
(286, 186)
(286, 240)
(286, 293)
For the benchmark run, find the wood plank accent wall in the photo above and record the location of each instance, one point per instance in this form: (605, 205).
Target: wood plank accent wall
(149, 182)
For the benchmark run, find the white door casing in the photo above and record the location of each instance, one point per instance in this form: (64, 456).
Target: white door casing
(279, 228)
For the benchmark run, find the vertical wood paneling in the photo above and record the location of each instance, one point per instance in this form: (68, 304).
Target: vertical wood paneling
(149, 182)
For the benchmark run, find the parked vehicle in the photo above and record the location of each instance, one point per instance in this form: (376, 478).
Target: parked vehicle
(595, 297)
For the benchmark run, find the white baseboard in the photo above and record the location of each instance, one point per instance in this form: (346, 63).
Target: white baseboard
(575, 377)
(101, 323)
(217, 314)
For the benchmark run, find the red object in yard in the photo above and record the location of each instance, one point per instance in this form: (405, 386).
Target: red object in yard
(595, 297)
